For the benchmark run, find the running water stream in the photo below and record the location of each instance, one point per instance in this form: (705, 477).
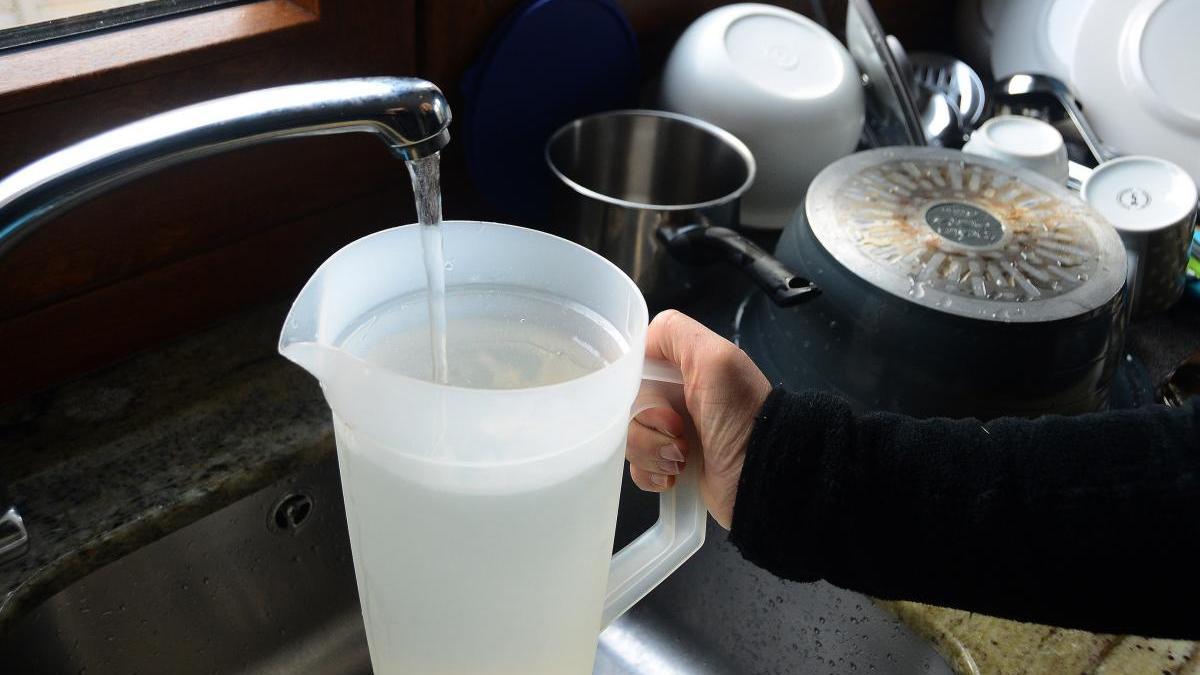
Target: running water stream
(428, 194)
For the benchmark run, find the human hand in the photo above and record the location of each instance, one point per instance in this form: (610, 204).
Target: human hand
(722, 390)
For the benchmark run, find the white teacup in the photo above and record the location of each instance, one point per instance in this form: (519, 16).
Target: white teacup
(1022, 141)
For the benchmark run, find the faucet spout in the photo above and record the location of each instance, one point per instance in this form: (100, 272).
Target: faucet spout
(409, 115)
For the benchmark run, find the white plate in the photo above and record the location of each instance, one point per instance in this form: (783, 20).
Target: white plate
(1037, 36)
(1137, 73)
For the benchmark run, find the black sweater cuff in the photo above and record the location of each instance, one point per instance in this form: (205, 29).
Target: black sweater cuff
(783, 488)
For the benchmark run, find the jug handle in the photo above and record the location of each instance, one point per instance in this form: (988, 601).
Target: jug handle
(646, 561)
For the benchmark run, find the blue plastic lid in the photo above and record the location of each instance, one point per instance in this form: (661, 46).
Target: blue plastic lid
(549, 63)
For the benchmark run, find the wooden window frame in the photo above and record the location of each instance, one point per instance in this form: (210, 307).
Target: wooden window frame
(178, 250)
(73, 65)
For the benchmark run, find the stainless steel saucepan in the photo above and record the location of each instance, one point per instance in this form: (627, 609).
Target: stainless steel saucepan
(633, 184)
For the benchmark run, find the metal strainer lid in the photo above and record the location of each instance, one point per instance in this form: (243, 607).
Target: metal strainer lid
(966, 235)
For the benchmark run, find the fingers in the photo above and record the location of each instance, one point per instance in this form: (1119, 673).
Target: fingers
(655, 446)
(654, 451)
(653, 409)
(650, 482)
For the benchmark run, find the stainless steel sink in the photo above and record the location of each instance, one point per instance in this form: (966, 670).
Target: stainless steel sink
(266, 585)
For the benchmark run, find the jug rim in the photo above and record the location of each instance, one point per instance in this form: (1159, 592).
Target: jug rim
(514, 391)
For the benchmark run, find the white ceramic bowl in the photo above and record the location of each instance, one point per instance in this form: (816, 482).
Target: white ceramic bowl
(782, 84)
(1022, 141)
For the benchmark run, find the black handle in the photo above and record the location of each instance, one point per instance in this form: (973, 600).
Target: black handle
(698, 244)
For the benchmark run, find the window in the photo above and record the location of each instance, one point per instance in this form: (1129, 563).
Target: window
(26, 22)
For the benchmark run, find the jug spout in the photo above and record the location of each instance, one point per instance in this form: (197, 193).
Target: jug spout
(310, 356)
(309, 337)
(351, 284)
(299, 341)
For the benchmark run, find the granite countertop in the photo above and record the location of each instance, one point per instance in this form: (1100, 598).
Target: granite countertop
(115, 460)
(118, 459)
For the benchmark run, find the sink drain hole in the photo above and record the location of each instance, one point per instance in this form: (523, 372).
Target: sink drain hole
(291, 512)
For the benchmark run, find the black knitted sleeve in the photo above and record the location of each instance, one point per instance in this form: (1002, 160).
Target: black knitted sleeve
(1091, 521)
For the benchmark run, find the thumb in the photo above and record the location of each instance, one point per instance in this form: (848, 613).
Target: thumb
(673, 336)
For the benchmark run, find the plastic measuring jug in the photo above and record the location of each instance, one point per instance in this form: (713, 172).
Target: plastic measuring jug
(482, 520)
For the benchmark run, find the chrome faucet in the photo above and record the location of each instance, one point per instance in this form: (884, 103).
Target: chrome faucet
(409, 115)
